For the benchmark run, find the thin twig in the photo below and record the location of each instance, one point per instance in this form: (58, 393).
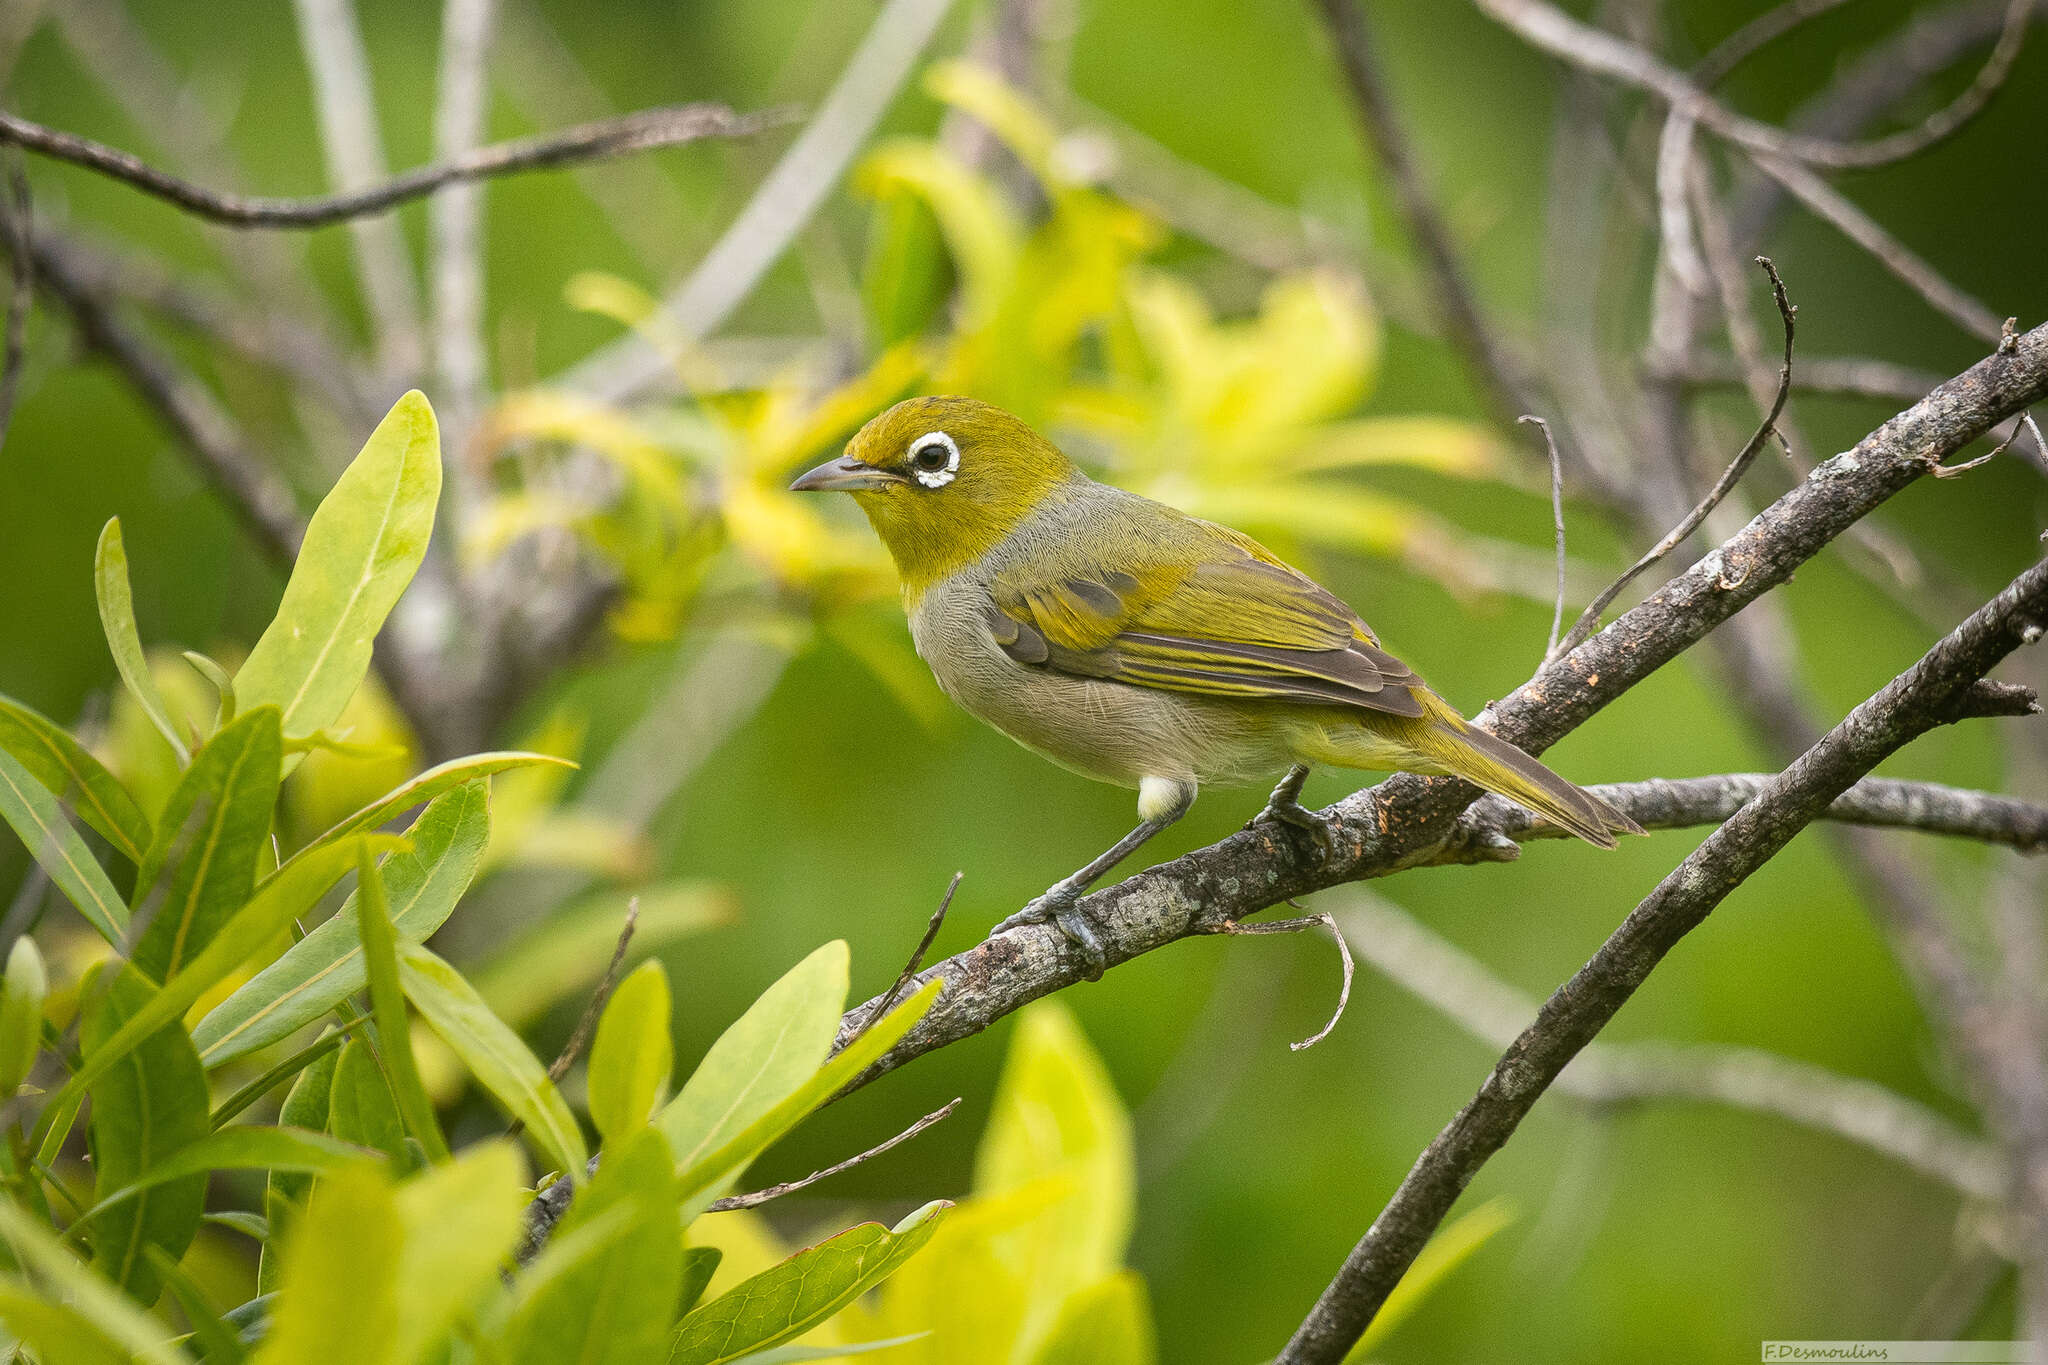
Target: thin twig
(910, 968)
(1590, 618)
(1950, 471)
(455, 232)
(760, 1197)
(17, 223)
(670, 126)
(1557, 525)
(586, 1024)
(1295, 926)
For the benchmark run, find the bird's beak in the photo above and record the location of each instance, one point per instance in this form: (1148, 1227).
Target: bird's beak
(846, 474)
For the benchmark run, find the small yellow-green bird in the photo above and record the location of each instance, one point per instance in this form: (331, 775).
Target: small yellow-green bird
(1134, 644)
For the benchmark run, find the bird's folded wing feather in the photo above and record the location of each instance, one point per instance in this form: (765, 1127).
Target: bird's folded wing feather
(1232, 625)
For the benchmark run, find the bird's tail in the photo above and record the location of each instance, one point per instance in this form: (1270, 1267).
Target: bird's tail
(1444, 742)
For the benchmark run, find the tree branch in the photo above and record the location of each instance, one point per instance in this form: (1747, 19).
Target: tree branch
(671, 126)
(1918, 700)
(1408, 820)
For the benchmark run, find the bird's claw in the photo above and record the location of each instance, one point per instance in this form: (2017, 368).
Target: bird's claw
(1284, 807)
(1060, 906)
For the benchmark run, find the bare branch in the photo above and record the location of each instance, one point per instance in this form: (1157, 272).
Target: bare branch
(1446, 977)
(1916, 701)
(1676, 536)
(1550, 29)
(456, 232)
(586, 1023)
(760, 1197)
(347, 106)
(671, 126)
(17, 227)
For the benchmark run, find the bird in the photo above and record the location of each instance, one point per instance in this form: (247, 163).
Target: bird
(1134, 644)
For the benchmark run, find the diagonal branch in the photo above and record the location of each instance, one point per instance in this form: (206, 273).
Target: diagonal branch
(671, 126)
(1920, 699)
(1409, 820)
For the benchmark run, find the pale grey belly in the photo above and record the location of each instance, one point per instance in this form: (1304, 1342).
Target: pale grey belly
(1108, 731)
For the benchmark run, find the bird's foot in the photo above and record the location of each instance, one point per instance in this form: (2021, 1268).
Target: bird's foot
(1284, 807)
(1060, 906)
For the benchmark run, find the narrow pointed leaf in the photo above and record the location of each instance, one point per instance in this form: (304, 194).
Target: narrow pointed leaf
(119, 1320)
(494, 1055)
(337, 1300)
(360, 1106)
(217, 677)
(70, 773)
(632, 1055)
(717, 1168)
(387, 1003)
(428, 785)
(362, 547)
(245, 1147)
(326, 966)
(788, 1300)
(144, 1109)
(54, 1330)
(124, 641)
(764, 1056)
(460, 1221)
(39, 822)
(305, 1106)
(202, 864)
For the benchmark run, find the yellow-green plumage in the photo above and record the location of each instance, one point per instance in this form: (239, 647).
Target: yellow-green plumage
(1135, 644)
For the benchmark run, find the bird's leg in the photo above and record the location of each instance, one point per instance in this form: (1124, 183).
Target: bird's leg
(1161, 803)
(1284, 807)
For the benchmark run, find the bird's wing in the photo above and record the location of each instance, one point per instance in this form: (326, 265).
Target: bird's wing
(1236, 623)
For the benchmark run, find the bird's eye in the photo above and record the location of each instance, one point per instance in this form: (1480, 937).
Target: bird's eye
(934, 459)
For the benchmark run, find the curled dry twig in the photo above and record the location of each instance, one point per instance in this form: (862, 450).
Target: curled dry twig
(1295, 926)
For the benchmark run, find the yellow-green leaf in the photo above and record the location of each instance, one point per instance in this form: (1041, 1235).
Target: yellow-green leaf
(632, 1055)
(767, 1054)
(21, 1014)
(428, 785)
(788, 1300)
(360, 1107)
(54, 1330)
(39, 822)
(493, 1054)
(71, 774)
(387, 1002)
(117, 619)
(337, 1302)
(1106, 1323)
(361, 549)
(111, 1314)
(459, 1221)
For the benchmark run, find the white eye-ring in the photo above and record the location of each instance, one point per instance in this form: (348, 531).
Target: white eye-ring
(934, 459)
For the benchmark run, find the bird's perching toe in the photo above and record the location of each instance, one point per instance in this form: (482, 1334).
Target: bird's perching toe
(1060, 907)
(1284, 807)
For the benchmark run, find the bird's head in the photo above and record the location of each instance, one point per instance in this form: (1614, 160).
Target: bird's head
(943, 479)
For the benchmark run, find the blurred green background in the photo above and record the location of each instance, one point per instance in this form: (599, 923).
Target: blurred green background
(1674, 1232)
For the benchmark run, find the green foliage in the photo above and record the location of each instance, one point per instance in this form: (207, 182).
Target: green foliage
(361, 549)
(377, 1242)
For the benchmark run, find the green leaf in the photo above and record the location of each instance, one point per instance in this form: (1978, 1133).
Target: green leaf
(337, 1301)
(21, 1014)
(360, 1106)
(326, 966)
(362, 547)
(699, 1265)
(387, 1004)
(789, 1299)
(288, 1068)
(124, 641)
(305, 1105)
(428, 785)
(144, 1110)
(632, 1055)
(460, 1220)
(571, 949)
(72, 774)
(217, 677)
(493, 1054)
(52, 842)
(1056, 1112)
(285, 894)
(765, 1056)
(55, 1331)
(1450, 1248)
(613, 1306)
(717, 1168)
(202, 863)
(1107, 1323)
(244, 1147)
(113, 1315)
